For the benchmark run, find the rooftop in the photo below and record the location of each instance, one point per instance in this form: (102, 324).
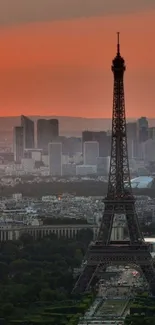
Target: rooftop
(142, 182)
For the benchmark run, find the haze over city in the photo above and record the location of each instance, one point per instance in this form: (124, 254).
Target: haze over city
(55, 56)
(77, 162)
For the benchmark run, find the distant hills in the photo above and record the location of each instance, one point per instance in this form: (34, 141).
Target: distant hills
(69, 126)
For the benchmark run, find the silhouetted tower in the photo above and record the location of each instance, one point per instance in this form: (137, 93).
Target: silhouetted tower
(28, 132)
(119, 200)
(119, 185)
(47, 131)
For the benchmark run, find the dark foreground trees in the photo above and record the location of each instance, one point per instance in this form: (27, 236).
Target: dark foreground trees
(142, 311)
(36, 278)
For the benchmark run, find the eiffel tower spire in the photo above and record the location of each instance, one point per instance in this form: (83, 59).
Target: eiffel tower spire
(118, 44)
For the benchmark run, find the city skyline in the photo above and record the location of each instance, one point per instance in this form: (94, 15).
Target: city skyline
(57, 62)
(89, 200)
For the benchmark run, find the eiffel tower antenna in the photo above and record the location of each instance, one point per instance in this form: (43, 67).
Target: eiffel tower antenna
(118, 44)
(119, 200)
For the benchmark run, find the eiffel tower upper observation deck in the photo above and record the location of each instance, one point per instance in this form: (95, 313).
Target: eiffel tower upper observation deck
(119, 200)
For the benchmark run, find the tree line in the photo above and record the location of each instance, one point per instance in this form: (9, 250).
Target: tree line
(37, 277)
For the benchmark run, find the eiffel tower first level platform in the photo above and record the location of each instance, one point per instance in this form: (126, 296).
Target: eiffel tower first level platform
(119, 201)
(118, 253)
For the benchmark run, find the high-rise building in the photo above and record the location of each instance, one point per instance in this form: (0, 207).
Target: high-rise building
(55, 158)
(91, 152)
(148, 149)
(87, 136)
(151, 133)
(103, 165)
(71, 145)
(28, 132)
(18, 145)
(143, 127)
(103, 139)
(47, 131)
(132, 139)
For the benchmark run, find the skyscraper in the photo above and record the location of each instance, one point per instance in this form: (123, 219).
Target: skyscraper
(104, 141)
(148, 148)
(151, 133)
(91, 152)
(87, 136)
(142, 129)
(55, 158)
(47, 131)
(101, 137)
(18, 147)
(28, 132)
(132, 139)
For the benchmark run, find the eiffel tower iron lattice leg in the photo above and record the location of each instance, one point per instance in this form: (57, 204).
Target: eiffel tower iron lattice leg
(119, 200)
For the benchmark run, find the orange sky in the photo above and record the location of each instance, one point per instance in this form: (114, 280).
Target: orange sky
(63, 67)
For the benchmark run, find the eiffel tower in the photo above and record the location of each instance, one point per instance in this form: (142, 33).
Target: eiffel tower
(119, 200)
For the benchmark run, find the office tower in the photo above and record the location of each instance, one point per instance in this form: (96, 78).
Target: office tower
(142, 129)
(151, 133)
(87, 136)
(148, 150)
(55, 158)
(132, 129)
(103, 165)
(132, 139)
(47, 131)
(28, 132)
(91, 152)
(103, 139)
(71, 145)
(18, 145)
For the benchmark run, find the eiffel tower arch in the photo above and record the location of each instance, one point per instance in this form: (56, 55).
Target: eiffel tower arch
(119, 200)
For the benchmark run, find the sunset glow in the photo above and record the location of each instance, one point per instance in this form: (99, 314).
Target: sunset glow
(64, 67)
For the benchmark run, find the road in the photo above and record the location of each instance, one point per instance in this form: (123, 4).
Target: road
(113, 300)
